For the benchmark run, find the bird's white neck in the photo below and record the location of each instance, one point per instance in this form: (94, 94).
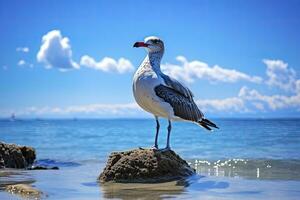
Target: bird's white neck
(154, 59)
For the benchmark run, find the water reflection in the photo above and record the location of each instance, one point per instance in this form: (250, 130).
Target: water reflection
(11, 176)
(128, 191)
(196, 183)
(168, 190)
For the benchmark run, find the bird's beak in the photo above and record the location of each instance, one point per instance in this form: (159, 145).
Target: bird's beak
(140, 44)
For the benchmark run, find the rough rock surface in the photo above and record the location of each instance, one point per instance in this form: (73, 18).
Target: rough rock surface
(145, 166)
(15, 156)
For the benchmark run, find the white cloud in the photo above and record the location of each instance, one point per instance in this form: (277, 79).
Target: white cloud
(280, 75)
(189, 71)
(259, 106)
(56, 51)
(21, 62)
(274, 102)
(107, 64)
(232, 104)
(22, 49)
(250, 100)
(297, 89)
(104, 110)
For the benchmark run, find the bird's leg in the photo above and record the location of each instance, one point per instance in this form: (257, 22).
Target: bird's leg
(167, 148)
(169, 132)
(157, 131)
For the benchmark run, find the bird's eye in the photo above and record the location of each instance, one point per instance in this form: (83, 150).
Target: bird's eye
(155, 41)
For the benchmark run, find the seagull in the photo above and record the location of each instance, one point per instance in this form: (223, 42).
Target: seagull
(162, 95)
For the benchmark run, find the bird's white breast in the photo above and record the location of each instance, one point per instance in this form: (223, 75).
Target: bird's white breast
(144, 82)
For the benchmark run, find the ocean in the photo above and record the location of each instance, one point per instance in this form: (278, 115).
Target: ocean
(244, 159)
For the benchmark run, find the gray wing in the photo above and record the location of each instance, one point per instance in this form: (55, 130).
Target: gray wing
(184, 107)
(176, 85)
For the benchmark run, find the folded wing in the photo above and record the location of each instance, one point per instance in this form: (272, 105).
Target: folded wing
(177, 86)
(182, 103)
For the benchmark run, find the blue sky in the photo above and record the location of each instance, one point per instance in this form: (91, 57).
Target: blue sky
(241, 59)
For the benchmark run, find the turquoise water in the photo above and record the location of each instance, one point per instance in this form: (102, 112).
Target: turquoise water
(246, 158)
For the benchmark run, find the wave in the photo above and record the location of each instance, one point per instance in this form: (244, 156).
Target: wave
(281, 169)
(55, 163)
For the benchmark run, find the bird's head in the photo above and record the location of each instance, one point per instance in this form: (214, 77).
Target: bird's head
(152, 44)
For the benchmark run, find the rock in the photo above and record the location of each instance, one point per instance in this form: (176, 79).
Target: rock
(15, 156)
(25, 191)
(145, 166)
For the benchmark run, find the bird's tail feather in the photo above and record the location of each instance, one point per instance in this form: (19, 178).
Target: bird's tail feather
(207, 124)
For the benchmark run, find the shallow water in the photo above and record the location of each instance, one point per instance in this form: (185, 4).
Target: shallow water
(248, 159)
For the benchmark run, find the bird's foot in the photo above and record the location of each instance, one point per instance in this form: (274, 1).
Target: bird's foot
(155, 147)
(165, 149)
(152, 148)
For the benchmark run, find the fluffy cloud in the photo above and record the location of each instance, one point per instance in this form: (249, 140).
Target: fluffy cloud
(21, 62)
(297, 83)
(22, 49)
(90, 109)
(250, 100)
(258, 106)
(232, 104)
(280, 75)
(189, 71)
(274, 102)
(107, 64)
(103, 108)
(55, 51)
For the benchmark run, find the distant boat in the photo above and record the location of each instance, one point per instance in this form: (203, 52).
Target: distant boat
(13, 117)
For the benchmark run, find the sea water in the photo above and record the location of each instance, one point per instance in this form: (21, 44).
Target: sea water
(244, 159)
